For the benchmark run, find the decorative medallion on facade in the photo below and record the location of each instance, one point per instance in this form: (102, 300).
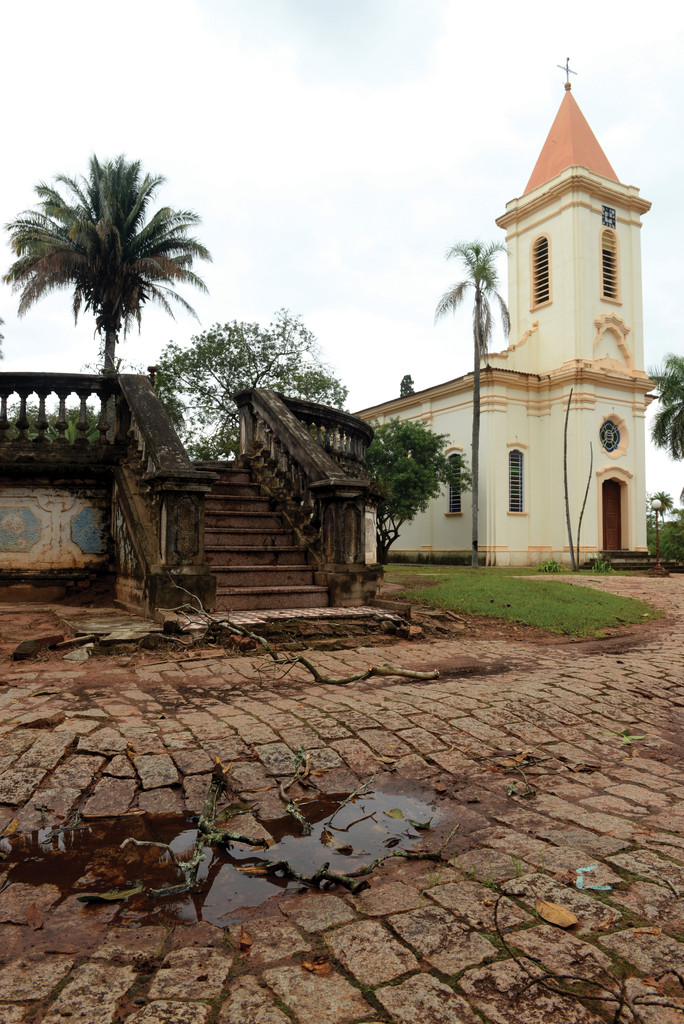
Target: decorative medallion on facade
(19, 529)
(609, 435)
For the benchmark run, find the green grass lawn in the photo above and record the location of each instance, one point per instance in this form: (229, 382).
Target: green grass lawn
(545, 602)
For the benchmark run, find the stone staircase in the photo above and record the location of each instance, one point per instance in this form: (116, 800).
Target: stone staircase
(252, 554)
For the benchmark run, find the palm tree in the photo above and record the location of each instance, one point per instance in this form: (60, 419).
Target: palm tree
(477, 258)
(96, 239)
(666, 502)
(667, 430)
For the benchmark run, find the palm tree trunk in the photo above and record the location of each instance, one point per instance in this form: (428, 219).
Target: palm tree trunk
(110, 351)
(476, 433)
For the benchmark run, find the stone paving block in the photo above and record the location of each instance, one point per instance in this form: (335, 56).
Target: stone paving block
(593, 914)
(384, 743)
(358, 756)
(249, 1003)
(91, 995)
(425, 1000)
(441, 939)
(17, 784)
(316, 912)
(195, 789)
(59, 799)
(194, 973)
(192, 762)
(160, 801)
(77, 772)
(156, 770)
(120, 767)
(246, 825)
(133, 945)
(489, 866)
(652, 954)
(547, 857)
(246, 776)
(32, 977)
(46, 752)
(497, 991)
(325, 999)
(12, 1015)
(325, 759)
(655, 903)
(278, 758)
(649, 864)
(390, 898)
(273, 940)
(169, 1011)
(104, 741)
(110, 797)
(370, 953)
(642, 994)
(581, 839)
(337, 781)
(17, 898)
(560, 952)
(474, 905)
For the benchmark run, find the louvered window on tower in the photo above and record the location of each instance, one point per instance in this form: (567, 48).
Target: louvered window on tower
(541, 272)
(609, 267)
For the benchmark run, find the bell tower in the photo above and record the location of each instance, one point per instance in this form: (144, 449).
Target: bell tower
(574, 261)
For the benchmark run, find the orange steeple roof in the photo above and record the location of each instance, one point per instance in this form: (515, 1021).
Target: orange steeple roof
(570, 142)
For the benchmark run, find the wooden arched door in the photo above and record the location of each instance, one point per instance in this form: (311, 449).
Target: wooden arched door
(612, 516)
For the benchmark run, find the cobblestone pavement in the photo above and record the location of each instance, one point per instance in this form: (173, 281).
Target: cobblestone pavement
(593, 730)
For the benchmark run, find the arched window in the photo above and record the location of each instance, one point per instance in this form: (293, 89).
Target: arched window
(541, 271)
(515, 481)
(455, 487)
(610, 276)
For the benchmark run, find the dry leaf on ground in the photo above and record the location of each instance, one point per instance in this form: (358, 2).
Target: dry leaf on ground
(555, 914)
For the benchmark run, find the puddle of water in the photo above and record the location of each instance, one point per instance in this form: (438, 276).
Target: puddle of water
(89, 858)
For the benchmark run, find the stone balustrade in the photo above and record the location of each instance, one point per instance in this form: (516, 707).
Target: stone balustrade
(104, 490)
(309, 459)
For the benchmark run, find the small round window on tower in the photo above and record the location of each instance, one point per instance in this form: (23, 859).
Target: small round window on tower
(609, 436)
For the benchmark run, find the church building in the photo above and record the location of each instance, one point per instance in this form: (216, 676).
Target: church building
(574, 273)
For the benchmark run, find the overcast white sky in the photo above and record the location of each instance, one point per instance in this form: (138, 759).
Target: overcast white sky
(335, 149)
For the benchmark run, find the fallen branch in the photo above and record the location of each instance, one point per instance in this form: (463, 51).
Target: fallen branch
(617, 994)
(302, 760)
(289, 660)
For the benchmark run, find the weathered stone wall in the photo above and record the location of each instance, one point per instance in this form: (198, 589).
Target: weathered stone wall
(45, 526)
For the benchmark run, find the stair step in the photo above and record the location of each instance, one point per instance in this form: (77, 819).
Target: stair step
(219, 555)
(230, 502)
(264, 538)
(237, 598)
(257, 576)
(243, 520)
(230, 489)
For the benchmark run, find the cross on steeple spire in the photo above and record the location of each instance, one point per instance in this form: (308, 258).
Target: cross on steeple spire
(568, 71)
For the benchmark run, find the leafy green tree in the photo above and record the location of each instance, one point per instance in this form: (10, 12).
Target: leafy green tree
(408, 462)
(667, 430)
(96, 236)
(197, 384)
(406, 387)
(478, 261)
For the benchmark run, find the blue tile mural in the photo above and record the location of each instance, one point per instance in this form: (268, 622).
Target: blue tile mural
(19, 529)
(87, 531)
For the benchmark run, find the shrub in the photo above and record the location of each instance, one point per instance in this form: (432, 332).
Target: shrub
(602, 565)
(550, 565)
